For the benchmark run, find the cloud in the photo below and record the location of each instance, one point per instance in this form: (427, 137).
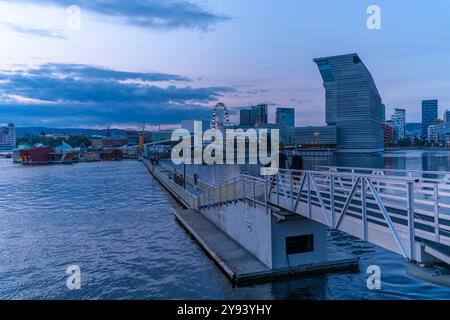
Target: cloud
(82, 95)
(149, 14)
(33, 32)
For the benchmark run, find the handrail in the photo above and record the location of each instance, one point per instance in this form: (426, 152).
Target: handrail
(388, 170)
(353, 175)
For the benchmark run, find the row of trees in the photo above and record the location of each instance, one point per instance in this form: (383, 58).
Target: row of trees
(74, 141)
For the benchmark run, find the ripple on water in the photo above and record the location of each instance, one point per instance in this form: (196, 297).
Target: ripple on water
(117, 224)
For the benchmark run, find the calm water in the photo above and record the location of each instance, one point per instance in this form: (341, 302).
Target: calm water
(116, 223)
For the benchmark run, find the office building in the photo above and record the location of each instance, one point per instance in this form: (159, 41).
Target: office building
(353, 103)
(325, 136)
(389, 133)
(259, 115)
(429, 115)
(245, 118)
(7, 137)
(398, 121)
(285, 117)
(447, 116)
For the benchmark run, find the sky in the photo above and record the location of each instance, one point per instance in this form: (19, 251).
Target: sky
(122, 63)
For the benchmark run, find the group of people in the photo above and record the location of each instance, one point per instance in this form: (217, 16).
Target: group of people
(179, 179)
(297, 162)
(154, 160)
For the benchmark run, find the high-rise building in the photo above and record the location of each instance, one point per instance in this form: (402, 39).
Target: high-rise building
(389, 133)
(429, 115)
(399, 122)
(353, 103)
(8, 137)
(285, 117)
(383, 113)
(447, 116)
(245, 118)
(259, 115)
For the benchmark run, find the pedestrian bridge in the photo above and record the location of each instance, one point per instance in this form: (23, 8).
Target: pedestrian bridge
(404, 211)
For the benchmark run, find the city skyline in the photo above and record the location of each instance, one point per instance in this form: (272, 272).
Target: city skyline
(166, 70)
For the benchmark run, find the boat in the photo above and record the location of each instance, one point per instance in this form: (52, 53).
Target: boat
(37, 155)
(64, 154)
(89, 156)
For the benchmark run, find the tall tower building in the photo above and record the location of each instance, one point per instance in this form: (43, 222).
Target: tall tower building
(399, 123)
(245, 116)
(259, 114)
(353, 103)
(285, 117)
(429, 115)
(447, 116)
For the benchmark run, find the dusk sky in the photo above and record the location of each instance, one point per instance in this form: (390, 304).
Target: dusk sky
(165, 61)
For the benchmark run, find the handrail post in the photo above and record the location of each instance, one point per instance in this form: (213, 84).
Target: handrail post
(333, 216)
(436, 213)
(254, 192)
(309, 196)
(364, 208)
(410, 195)
(278, 189)
(291, 190)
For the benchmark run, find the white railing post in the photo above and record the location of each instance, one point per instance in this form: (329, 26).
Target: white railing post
(333, 215)
(436, 213)
(309, 196)
(364, 208)
(291, 190)
(254, 192)
(411, 233)
(278, 189)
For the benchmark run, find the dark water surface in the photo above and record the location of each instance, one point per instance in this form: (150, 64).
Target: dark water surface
(116, 223)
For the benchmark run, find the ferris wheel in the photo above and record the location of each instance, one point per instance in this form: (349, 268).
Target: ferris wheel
(221, 118)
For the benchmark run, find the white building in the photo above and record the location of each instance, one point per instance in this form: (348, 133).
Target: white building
(7, 137)
(399, 122)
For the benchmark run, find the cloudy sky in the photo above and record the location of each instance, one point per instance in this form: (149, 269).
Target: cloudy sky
(164, 61)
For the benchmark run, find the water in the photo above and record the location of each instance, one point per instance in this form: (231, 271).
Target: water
(116, 222)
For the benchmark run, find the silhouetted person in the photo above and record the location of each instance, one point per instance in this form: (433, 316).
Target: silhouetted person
(297, 165)
(282, 159)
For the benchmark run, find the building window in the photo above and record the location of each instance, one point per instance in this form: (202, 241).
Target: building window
(299, 244)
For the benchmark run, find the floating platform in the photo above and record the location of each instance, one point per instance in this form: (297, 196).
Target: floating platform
(241, 266)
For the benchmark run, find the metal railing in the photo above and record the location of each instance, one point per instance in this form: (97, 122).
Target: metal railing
(410, 208)
(426, 176)
(189, 199)
(244, 188)
(392, 211)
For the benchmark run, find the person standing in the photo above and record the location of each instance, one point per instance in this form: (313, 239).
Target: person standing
(297, 164)
(282, 159)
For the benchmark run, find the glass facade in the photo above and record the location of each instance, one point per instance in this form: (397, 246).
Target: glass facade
(353, 103)
(429, 115)
(285, 117)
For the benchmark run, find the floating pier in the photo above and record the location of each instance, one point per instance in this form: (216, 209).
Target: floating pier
(240, 265)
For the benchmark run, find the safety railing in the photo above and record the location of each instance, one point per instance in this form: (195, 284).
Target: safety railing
(441, 177)
(410, 208)
(189, 199)
(243, 187)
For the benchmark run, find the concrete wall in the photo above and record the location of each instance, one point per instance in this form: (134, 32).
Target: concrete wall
(297, 226)
(249, 226)
(265, 237)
